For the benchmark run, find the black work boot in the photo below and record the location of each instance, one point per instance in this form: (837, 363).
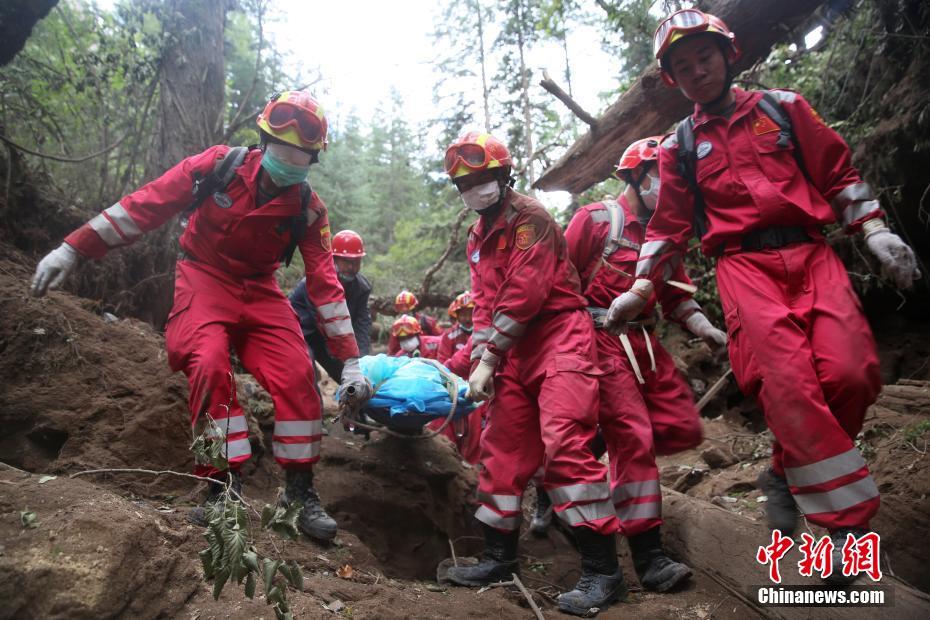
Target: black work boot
(199, 515)
(781, 511)
(838, 538)
(656, 571)
(498, 560)
(601, 580)
(542, 516)
(313, 521)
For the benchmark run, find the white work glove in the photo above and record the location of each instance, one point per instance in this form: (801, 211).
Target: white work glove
(355, 387)
(629, 305)
(897, 258)
(698, 325)
(481, 379)
(54, 268)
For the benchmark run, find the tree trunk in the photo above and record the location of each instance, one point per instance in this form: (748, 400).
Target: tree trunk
(484, 80)
(525, 98)
(17, 17)
(649, 107)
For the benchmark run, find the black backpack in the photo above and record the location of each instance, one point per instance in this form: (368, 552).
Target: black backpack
(220, 178)
(687, 154)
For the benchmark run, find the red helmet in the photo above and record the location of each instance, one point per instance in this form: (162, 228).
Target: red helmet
(463, 300)
(406, 301)
(405, 326)
(640, 151)
(296, 118)
(348, 244)
(682, 24)
(476, 151)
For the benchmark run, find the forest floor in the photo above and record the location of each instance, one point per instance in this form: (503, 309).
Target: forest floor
(82, 392)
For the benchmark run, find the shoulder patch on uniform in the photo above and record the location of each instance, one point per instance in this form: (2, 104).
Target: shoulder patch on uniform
(786, 96)
(763, 125)
(326, 238)
(526, 236)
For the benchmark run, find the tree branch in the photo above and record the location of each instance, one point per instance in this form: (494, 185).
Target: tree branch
(67, 160)
(260, 13)
(550, 85)
(453, 241)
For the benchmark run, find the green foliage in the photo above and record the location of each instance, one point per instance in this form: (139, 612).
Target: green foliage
(208, 446)
(282, 520)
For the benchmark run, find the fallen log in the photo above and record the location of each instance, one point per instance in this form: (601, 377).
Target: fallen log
(907, 396)
(649, 107)
(723, 545)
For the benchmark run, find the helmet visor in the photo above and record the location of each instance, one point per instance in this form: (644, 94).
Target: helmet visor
(679, 23)
(284, 114)
(471, 155)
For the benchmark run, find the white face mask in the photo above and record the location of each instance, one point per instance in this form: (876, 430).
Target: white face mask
(651, 196)
(482, 196)
(410, 344)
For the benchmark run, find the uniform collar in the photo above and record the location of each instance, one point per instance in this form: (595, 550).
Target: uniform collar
(743, 105)
(286, 203)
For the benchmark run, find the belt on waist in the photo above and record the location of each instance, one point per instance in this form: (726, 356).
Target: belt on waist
(599, 315)
(774, 237)
(182, 255)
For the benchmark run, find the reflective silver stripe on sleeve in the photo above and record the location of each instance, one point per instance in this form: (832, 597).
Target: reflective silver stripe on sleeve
(341, 327)
(504, 503)
(586, 513)
(647, 510)
(649, 256)
(828, 469)
(501, 341)
(644, 488)
(850, 194)
(838, 499)
(126, 224)
(583, 492)
(506, 324)
(481, 335)
(858, 210)
(234, 424)
(307, 428)
(103, 227)
(600, 216)
(336, 309)
(295, 451)
(686, 307)
(237, 448)
(491, 518)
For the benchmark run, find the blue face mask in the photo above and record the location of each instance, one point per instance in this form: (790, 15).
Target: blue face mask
(282, 173)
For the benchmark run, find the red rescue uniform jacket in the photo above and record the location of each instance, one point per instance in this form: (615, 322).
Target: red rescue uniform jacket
(451, 341)
(232, 235)
(520, 272)
(750, 183)
(429, 348)
(587, 235)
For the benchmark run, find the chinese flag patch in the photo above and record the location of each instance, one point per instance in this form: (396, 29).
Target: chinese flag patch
(501, 243)
(526, 236)
(325, 238)
(763, 125)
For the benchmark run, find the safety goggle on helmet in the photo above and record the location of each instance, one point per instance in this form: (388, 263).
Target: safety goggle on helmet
(296, 118)
(405, 326)
(685, 23)
(473, 152)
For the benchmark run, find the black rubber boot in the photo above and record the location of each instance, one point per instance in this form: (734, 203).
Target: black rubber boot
(601, 580)
(313, 521)
(497, 563)
(198, 514)
(781, 511)
(656, 571)
(838, 538)
(542, 516)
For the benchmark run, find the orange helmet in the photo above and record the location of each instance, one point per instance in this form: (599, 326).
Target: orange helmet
(682, 24)
(463, 300)
(348, 244)
(296, 118)
(405, 326)
(406, 301)
(476, 151)
(644, 150)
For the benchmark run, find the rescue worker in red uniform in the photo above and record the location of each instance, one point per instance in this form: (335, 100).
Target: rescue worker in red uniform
(646, 406)
(412, 341)
(534, 358)
(458, 335)
(406, 303)
(226, 294)
(466, 437)
(798, 339)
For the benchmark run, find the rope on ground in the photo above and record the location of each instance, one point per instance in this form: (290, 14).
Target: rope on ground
(453, 395)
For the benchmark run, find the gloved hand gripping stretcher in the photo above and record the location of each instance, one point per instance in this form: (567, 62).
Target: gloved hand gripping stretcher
(408, 393)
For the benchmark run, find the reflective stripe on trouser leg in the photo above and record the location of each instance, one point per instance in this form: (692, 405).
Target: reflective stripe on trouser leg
(635, 501)
(800, 343)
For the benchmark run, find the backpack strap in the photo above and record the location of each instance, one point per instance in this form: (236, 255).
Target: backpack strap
(222, 175)
(771, 105)
(617, 223)
(687, 168)
(299, 223)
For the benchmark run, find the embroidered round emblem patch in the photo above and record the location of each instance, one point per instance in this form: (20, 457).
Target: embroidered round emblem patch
(475, 256)
(223, 201)
(703, 149)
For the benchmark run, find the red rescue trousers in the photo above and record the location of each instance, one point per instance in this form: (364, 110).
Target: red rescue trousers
(676, 423)
(800, 344)
(544, 412)
(469, 444)
(213, 311)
